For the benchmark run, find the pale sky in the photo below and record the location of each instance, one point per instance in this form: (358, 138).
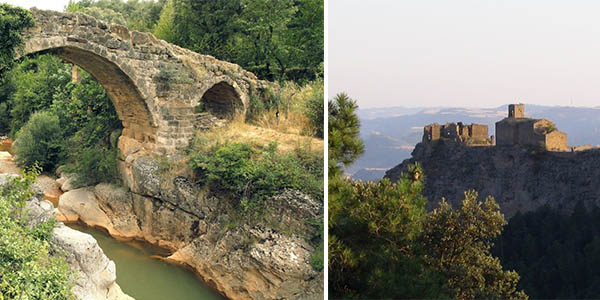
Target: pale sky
(58, 5)
(473, 53)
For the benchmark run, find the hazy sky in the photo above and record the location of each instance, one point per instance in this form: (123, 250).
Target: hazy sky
(41, 4)
(477, 53)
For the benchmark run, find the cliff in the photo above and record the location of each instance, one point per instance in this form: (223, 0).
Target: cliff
(519, 178)
(245, 261)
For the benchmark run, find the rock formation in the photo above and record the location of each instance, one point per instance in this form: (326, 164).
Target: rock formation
(519, 178)
(95, 274)
(243, 262)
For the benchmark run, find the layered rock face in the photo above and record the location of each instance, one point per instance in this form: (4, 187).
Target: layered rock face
(520, 179)
(244, 262)
(95, 274)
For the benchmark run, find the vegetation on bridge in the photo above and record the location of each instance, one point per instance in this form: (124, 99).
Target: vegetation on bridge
(277, 40)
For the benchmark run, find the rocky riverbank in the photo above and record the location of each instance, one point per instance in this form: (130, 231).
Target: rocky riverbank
(94, 274)
(241, 261)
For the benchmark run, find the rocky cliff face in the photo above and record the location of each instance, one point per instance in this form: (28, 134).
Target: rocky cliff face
(94, 274)
(244, 262)
(520, 179)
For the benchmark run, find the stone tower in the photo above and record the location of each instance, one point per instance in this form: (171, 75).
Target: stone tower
(516, 111)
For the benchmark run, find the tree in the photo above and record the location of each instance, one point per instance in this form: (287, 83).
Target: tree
(382, 243)
(344, 144)
(35, 81)
(373, 229)
(457, 244)
(40, 142)
(12, 21)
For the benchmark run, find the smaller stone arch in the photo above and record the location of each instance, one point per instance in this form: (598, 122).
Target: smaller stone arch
(222, 100)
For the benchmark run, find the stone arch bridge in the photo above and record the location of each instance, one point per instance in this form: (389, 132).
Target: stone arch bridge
(161, 92)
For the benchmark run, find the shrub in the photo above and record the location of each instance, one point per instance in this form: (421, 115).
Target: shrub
(250, 176)
(94, 165)
(27, 270)
(40, 141)
(314, 110)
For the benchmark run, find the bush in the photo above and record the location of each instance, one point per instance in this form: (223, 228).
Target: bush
(40, 141)
(94, 165)
(250, 176)
(27, 270)
(315, 112)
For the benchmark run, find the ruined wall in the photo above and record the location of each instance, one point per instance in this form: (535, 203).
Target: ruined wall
(478, 131)
(516, 111)
(556, 141)
(431, 132)
(527, 135)
(505, 133)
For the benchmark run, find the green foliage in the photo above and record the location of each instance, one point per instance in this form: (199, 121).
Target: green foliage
(557, 254)
(315, 111)
(373, 229)
(165, 28)
(250, 176)
(94, 165)
(12, 21)
(382, 243)
(85, 114)
(550, 127)
(345, 145)
(27, 270)
(458, 242)
(35, 81)
(275, 39)
(317, 258)
(135, 14)
(262, 101)
(40, 141)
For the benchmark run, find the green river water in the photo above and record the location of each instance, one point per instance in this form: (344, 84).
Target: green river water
(146, 278)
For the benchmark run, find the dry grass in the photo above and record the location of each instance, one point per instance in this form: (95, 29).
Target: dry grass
(260, 137)
(292, 118)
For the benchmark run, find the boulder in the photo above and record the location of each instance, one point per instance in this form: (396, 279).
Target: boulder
(95, 273)
(81, 204)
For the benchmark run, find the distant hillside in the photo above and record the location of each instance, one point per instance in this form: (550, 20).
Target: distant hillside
(390, 134)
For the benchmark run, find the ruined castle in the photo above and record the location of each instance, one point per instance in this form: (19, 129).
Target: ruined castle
(474, 134)
(514, 130)
(517, 129)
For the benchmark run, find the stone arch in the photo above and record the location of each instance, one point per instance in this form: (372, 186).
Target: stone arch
(134, 113)
(223, 100)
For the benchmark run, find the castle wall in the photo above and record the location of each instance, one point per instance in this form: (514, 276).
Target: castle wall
(516, 111)
(556, 141)
(478, 131)
(450, 130)
(505, 134)
(526, 135)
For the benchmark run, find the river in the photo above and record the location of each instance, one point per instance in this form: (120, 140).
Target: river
(145, 277)
(139, 273)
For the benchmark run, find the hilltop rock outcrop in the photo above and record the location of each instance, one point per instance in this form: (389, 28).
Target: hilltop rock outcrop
(519, 178)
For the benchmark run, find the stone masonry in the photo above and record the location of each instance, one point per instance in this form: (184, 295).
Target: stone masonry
(162, 93)
(474, 134)
(517, 129)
